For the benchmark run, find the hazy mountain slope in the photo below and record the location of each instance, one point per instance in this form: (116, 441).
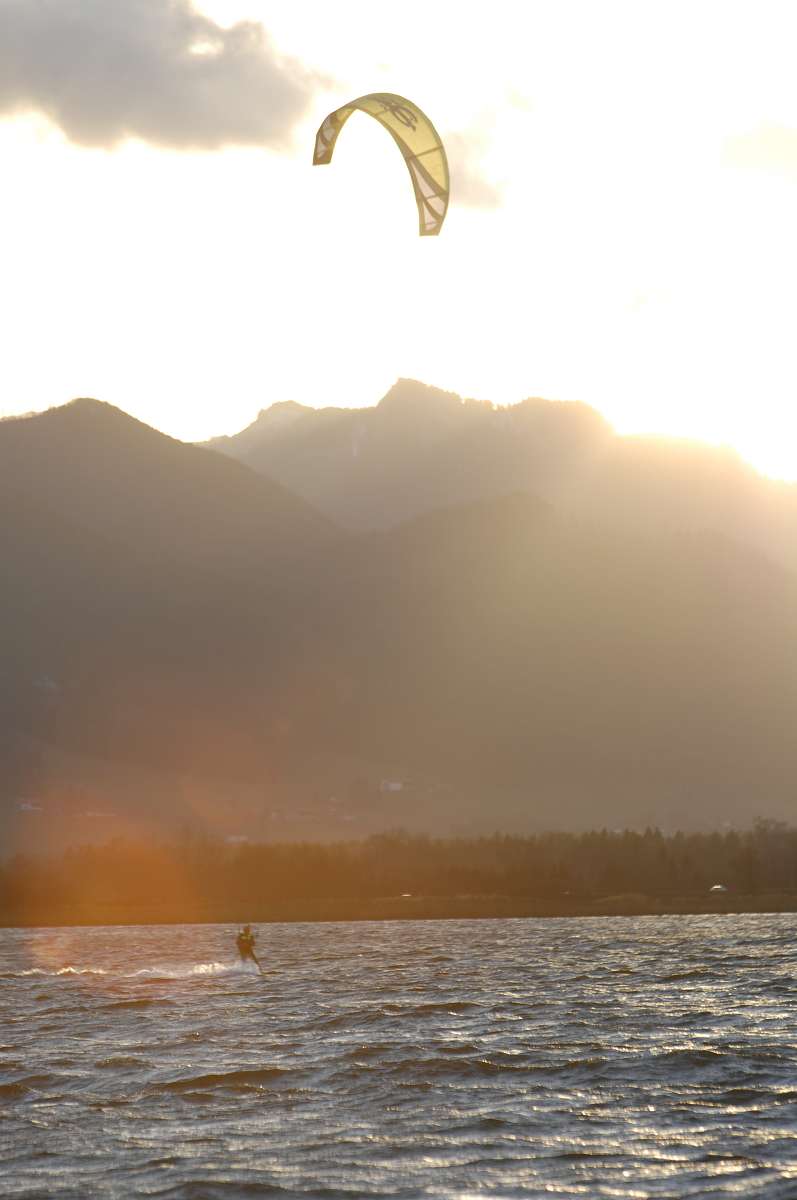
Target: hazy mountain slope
(137, 572)
(165, 609)
(110, 473)
(651, 484)
(421, 448)
(580, 675)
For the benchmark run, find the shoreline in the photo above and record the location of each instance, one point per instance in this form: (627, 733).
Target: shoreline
(399, 908)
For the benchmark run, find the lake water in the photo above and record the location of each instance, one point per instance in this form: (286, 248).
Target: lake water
(621, 1057)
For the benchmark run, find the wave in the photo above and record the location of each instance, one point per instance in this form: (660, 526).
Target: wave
(432, 1008)
(163, 973)
(694, 973)
(370, 1051)
(691, 1057)
(781, 983)
(590, 1063)
(239, 1081)
(53, 973)
(458, 1048)
(12, 1091)
(211, 1189)
(138, 1002)
(740, 1096)
(349, 1017)
(119, 1060)
(421, 1071)
(206, 970)
(17, 1088)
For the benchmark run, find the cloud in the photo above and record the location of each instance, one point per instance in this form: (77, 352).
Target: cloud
(768, 148)
(469, 184)
(107, 70)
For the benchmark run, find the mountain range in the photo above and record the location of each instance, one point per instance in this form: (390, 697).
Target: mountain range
(434, 613)
(421, 448)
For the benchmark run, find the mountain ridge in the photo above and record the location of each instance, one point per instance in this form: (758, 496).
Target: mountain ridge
(421, 448)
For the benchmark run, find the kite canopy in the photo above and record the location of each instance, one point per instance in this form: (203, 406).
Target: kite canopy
(416, 138)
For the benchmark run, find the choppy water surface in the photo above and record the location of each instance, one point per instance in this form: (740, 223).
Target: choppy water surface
(626, 1057)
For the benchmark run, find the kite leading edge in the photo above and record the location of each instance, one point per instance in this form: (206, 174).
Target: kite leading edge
(416, 138)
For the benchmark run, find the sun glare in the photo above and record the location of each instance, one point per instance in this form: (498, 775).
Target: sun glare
(626, 251)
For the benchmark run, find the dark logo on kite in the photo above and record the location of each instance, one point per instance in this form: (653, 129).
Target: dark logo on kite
(402, 114)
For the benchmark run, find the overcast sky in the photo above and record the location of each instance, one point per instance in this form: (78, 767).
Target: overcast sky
(622, 225)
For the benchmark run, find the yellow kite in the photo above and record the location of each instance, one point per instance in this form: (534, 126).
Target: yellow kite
(416, 138)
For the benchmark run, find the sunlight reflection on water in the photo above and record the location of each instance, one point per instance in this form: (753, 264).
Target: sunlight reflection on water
(627, 1057)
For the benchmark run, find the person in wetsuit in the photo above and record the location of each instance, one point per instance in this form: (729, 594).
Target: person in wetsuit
(245, 942)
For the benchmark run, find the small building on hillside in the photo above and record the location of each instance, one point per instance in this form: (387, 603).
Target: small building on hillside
(387, 786)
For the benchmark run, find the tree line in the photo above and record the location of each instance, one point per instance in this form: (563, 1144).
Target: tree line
(196, 875)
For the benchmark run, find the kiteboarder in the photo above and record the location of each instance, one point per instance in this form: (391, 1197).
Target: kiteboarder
(245, 941)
